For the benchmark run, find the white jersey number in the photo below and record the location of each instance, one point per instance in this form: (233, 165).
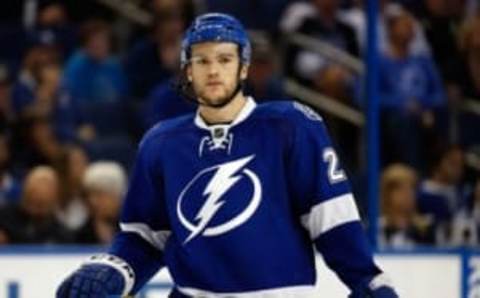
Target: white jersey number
(335, 174)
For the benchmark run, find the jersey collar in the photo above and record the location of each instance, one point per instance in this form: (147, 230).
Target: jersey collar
(244, 113)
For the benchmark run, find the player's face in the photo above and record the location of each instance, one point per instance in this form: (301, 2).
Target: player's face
(215, 72)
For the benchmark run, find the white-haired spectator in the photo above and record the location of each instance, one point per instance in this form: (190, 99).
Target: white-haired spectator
(104, 184)
(106, 176)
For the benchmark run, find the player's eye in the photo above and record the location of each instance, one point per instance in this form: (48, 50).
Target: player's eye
(200, 61)
(203, 61)
(224, 59)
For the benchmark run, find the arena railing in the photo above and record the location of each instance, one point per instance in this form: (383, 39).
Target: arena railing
(314, 98)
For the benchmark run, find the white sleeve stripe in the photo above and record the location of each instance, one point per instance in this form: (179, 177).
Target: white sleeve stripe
(330, 214)
(156, 238)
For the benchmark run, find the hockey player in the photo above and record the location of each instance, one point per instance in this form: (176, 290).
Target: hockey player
(232, 198)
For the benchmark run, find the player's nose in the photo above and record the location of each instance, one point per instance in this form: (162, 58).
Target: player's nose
(213, 69)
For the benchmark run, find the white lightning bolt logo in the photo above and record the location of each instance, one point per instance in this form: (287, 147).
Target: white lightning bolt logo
(221, 182)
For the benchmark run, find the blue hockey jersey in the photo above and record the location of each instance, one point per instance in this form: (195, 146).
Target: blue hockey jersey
(234, 210)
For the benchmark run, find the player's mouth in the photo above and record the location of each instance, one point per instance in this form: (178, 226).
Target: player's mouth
(214, 84)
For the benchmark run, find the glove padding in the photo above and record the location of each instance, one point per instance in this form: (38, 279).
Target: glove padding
(93, 281)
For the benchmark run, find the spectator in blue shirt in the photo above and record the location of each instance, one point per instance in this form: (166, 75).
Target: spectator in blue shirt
(407, 81)
(411, 95)
(93, 74)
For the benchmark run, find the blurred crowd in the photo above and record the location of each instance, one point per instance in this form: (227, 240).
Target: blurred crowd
(80, 82)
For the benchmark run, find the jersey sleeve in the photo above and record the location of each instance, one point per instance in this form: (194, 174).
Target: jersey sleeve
(326, 205)
(144, 222)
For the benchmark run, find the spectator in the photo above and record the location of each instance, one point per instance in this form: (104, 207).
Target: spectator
(39, 80)
(34, 141)
(39, 88)
(53, 28)
(105, 185)
(466, 224)
(155, 58)
(440, 194)
(93, 74)
(33, 220)
(72, 211)
(407, 81)
(411, 95)
(400, 224)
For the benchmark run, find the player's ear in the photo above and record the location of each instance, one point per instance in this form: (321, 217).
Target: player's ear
(244, 71)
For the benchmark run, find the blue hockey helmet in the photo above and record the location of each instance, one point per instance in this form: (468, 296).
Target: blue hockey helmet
(216, 27)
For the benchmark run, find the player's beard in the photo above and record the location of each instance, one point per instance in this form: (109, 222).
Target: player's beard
(222, 101)
(217, 103)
